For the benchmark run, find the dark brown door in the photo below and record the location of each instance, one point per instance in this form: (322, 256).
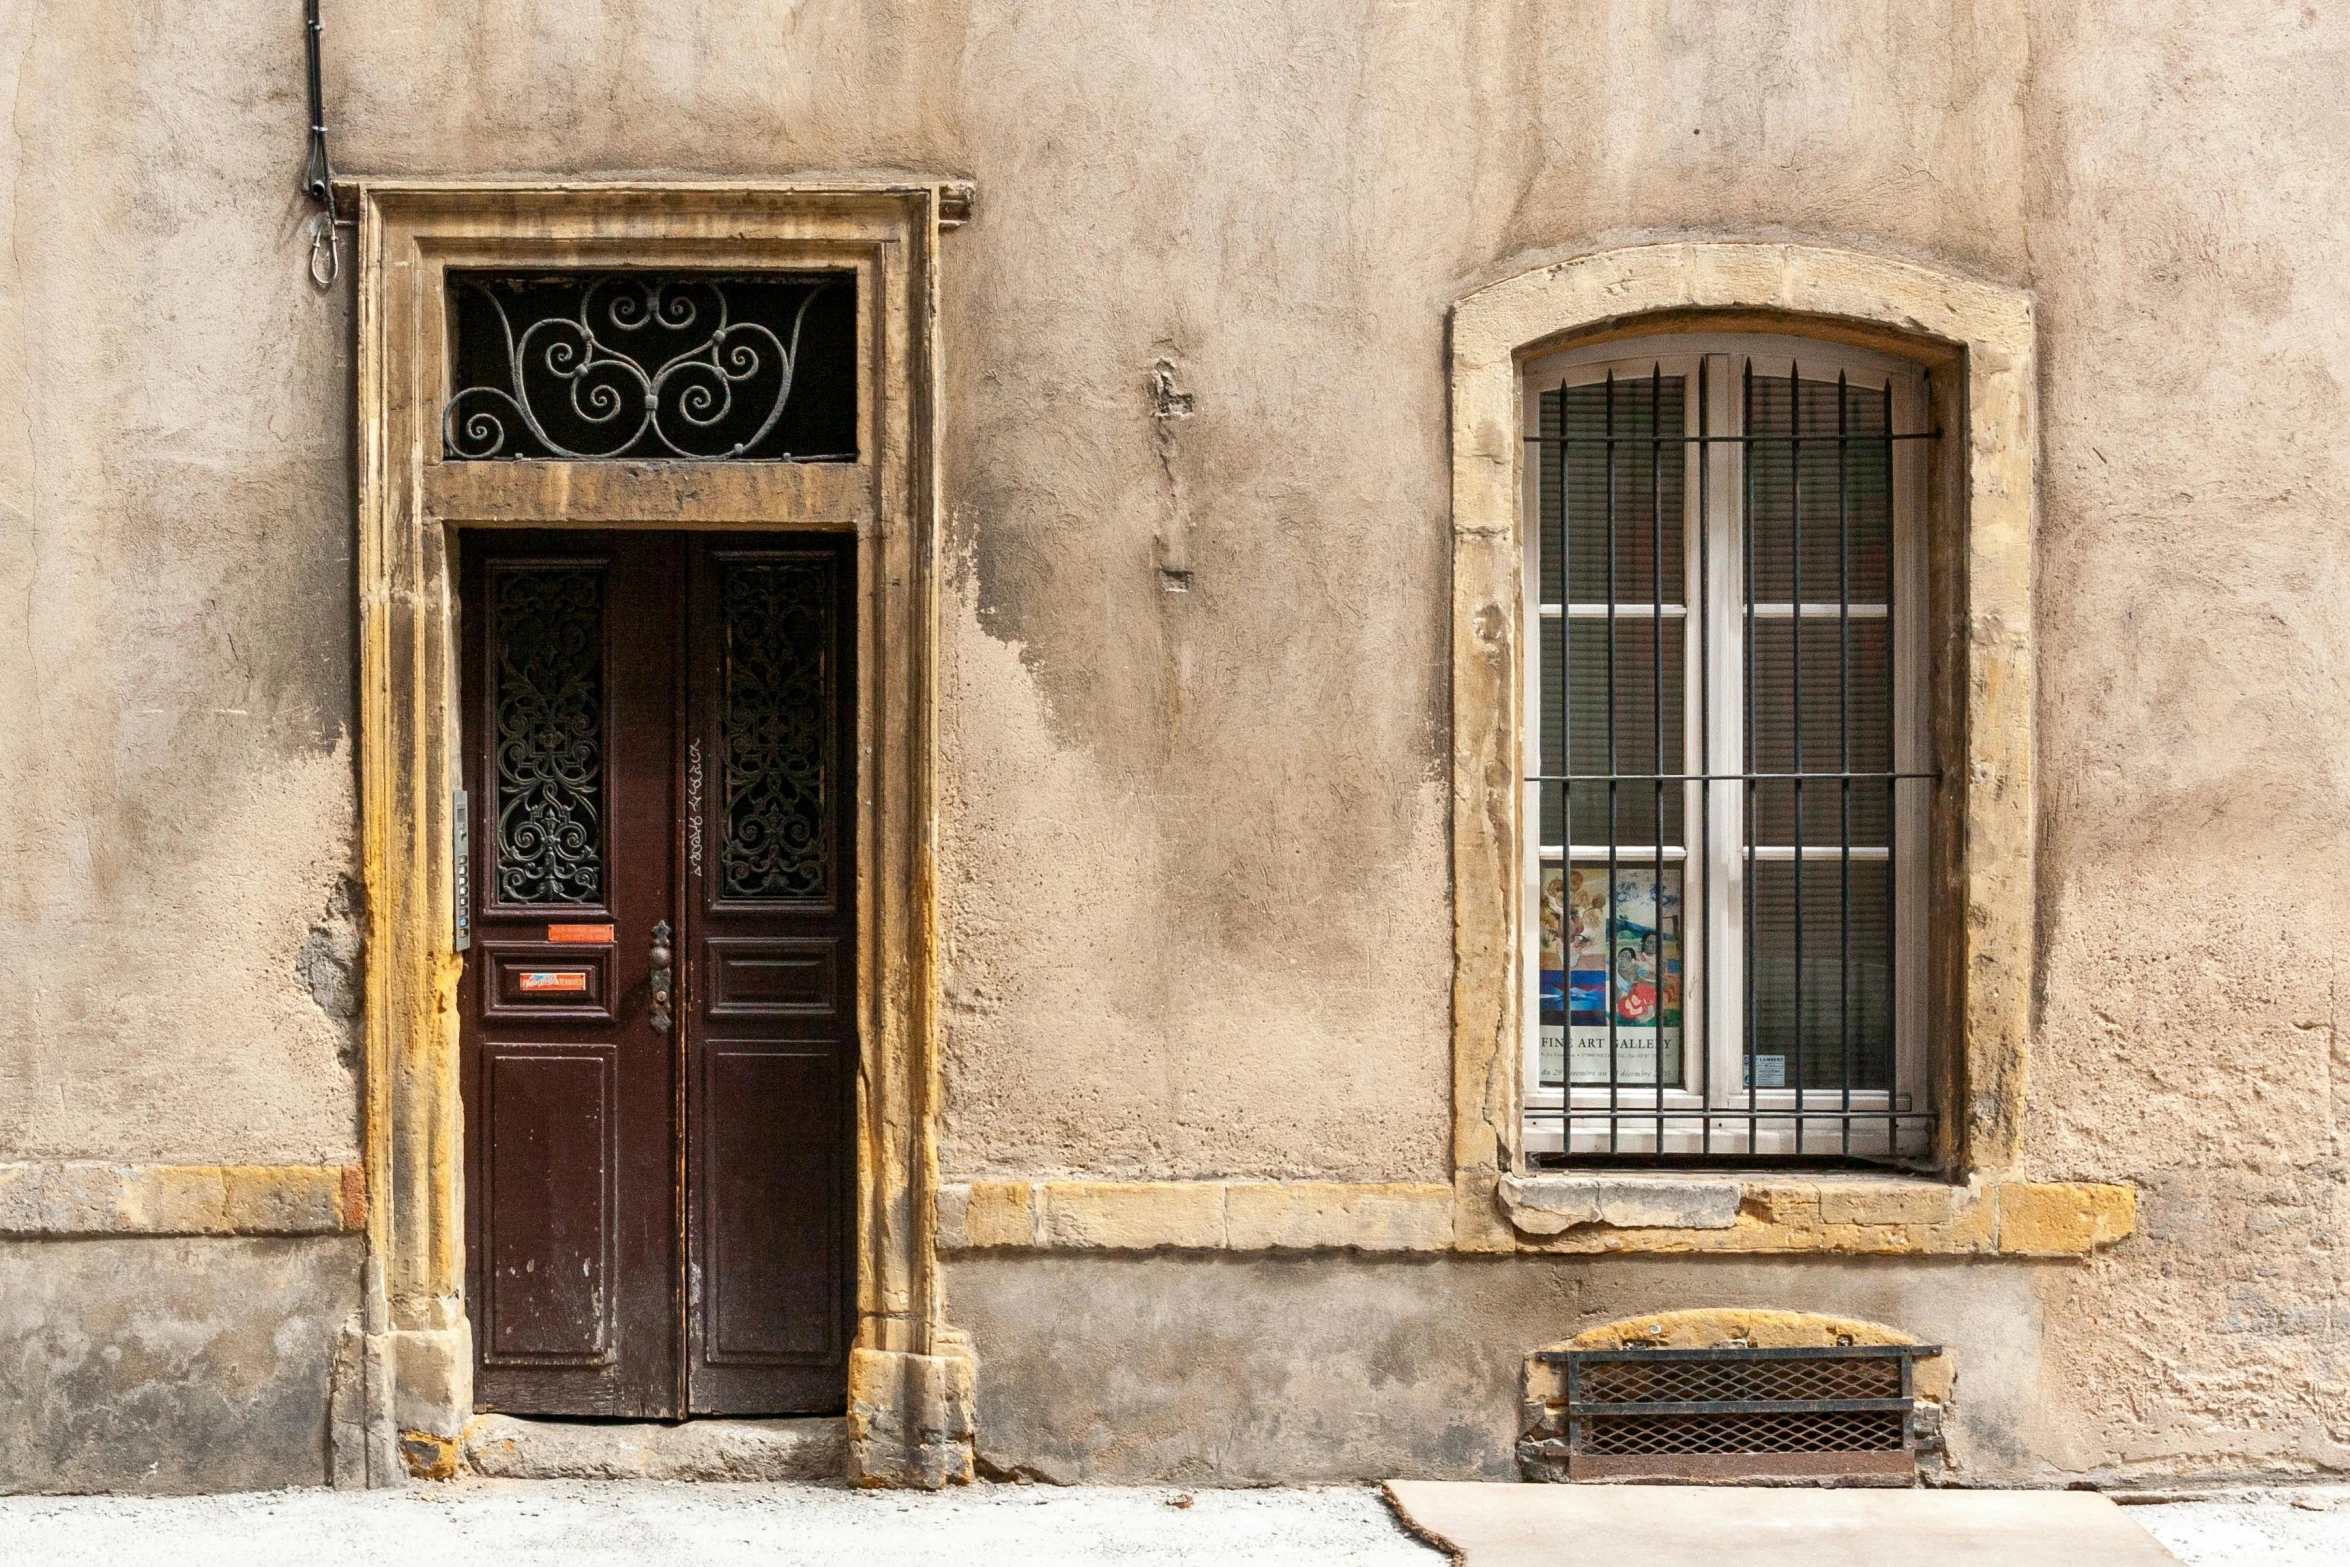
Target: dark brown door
(769, 1058)
(660, 771)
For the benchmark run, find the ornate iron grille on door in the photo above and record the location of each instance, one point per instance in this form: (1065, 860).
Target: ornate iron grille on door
(777, 726)
(547, 735)
(1731, 781)
(702, 366)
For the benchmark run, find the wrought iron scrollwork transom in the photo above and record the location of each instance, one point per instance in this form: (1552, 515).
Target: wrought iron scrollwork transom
(608, 365)
(548, 713)
(776, 744)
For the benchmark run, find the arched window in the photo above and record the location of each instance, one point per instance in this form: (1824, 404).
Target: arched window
(1742, 675)
(1730, 780)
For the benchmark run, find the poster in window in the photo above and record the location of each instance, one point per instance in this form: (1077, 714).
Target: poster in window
(1553, 969)
(1585, 971)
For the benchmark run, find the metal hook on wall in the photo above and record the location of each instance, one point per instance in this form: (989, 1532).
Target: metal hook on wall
(318, 179)
(326, 257)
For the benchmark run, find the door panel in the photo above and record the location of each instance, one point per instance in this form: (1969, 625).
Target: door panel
(535, 981)
(548, 1185)
(572, 676)
(769, 1195)
(772, 979)
(769, 884)
(659, 729)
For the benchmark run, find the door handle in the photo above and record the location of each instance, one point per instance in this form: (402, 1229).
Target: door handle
(664, 970)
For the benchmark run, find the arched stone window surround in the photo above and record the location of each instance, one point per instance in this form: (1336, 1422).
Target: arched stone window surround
(1978, 338)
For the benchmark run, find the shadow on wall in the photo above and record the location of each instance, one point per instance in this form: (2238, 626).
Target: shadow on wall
(331, 964)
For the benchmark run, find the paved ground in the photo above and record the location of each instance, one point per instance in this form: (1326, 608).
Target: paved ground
(532, 1523)
(2257, 1529)
(647, 1524)
(1773, 1526)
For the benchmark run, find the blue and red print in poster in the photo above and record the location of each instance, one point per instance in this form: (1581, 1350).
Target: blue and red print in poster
(1585, 963)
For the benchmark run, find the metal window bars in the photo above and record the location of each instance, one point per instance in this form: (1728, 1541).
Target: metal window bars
(1793, 1055)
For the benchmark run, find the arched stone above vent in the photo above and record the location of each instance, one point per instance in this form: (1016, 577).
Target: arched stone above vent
(1730, 1327)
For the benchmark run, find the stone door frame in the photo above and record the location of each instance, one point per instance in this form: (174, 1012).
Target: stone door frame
(909, 1379)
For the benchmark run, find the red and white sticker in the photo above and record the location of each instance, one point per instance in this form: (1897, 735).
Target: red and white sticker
(581, 935)
(554, 979)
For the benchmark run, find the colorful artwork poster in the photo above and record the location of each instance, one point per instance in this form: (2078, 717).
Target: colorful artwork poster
(1635, 969)
(1553, 970)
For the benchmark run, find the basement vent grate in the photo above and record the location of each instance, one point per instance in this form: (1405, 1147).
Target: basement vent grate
(1824, 1413)
(1844, 1431)
(1712, 1378)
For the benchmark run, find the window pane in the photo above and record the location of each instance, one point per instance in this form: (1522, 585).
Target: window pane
(1846, 1013)
(1847, 530)
(1808, 524)
(1834, 716)
(1646, 733)
(1587, 972)
(1647, 484)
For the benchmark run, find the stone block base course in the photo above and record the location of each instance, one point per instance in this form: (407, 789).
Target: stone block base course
(1553, 1213)
(508, 1448)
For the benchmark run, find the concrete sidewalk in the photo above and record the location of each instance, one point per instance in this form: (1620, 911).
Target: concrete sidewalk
(1703, 1526)
(533, 1523)
(500, 1523)
(1603, 1526)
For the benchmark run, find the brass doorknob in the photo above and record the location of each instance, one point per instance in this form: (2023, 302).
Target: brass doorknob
(663, 966)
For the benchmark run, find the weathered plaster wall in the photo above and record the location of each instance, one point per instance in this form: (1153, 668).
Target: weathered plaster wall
(1193, 796)
(175, 781)
(1232, 1371)
(2190, 234)
(1193, 818)
(169, 1365)
(1280, 209)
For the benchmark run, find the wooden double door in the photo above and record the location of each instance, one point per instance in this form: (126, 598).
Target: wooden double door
(658, 1005)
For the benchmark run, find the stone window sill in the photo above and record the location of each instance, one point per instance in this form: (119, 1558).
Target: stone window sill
(1889, 1214)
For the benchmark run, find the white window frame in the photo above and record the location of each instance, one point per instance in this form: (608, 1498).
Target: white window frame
(1712, 961)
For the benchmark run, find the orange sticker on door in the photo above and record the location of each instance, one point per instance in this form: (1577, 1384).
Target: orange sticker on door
(582, 934)
(555, 979)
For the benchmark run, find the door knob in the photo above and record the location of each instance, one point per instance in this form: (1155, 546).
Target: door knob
(664, 967)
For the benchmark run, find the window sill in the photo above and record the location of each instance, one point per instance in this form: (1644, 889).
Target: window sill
(1871, 1215)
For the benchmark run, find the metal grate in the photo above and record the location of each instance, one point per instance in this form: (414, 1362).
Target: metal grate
(707, 366)
(1822, 1405)
(1731, 784)
(1713, 1379)
(1849, 1432)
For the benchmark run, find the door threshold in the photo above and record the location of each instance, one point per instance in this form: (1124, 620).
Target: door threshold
(511, 1447)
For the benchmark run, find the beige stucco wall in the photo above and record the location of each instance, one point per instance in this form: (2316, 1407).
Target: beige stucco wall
(176, 799)
(2191, 246)
(1196, 919)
